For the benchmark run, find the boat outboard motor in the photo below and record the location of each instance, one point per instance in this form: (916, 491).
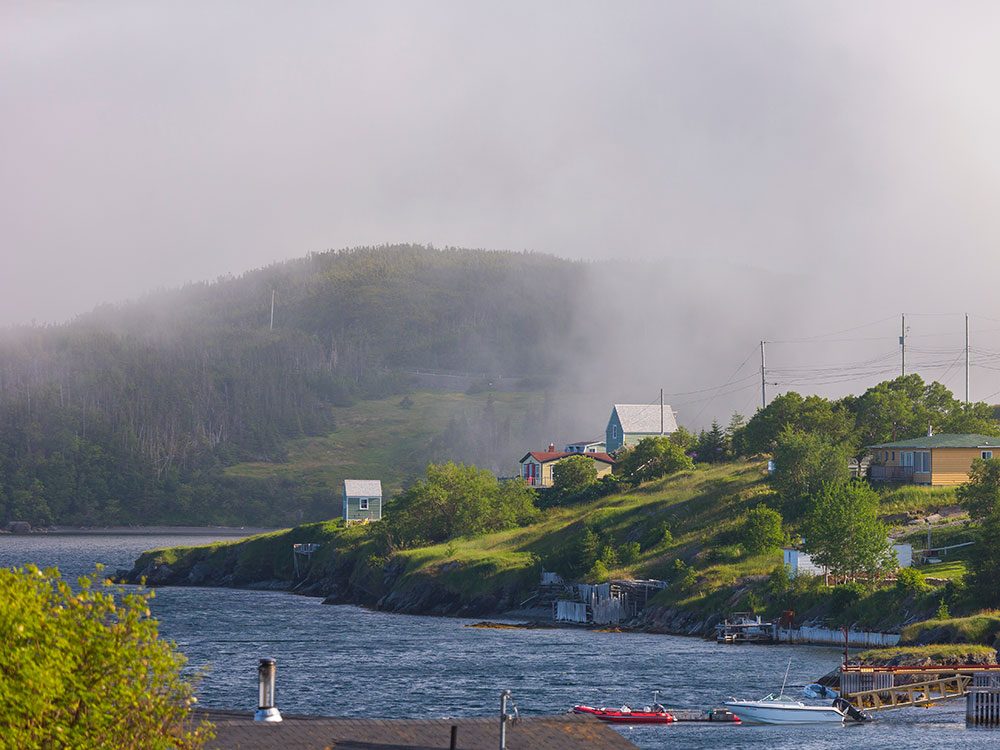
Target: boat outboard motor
(842, 704)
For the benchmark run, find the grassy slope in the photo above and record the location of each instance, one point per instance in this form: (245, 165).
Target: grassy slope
(702, 507)
(378, 439)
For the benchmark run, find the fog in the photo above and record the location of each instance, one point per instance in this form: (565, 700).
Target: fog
(781, 170)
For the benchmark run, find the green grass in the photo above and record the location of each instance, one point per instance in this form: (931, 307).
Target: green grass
(979, 628)
(380, 439)
(911, 498)
(938, 653)
(952, 570)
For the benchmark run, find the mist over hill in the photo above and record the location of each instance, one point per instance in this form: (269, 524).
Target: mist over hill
(130, 413)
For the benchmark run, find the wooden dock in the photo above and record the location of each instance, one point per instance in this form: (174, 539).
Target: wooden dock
(873, 688)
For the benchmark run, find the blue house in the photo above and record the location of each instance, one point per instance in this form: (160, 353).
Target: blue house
(362, 500)
(630, 423)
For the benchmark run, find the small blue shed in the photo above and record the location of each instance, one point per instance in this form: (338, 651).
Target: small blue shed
(362, 500)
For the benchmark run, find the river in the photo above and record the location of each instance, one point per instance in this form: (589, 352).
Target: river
(348, 661)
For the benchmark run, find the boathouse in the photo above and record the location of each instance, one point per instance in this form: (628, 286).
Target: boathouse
(362, 500)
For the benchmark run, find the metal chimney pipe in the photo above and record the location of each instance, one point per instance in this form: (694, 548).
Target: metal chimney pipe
(266, 673)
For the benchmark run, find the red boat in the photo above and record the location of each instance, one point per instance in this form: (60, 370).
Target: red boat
(626, 715)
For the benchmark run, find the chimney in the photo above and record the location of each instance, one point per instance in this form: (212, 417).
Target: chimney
(266, 710)
(930, 430)
(552, 447)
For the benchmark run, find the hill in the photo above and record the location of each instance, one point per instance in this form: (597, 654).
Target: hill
(134, 413)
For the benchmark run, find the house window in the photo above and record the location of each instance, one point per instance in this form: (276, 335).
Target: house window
(894, 455)
(922, 462)
(614, 431)
(987, 454)
(363, 503)
(907, 457)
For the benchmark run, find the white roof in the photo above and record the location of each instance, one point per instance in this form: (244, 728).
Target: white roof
(646, 418)
(363, 488)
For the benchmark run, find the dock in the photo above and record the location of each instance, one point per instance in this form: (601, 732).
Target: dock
(744, 627)
(878, 688)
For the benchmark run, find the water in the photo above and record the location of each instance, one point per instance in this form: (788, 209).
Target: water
(348, 661)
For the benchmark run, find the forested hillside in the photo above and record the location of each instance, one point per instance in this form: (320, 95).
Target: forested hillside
(129, 414)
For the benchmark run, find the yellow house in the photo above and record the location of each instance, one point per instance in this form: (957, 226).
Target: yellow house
(936, 459)
(536, 466)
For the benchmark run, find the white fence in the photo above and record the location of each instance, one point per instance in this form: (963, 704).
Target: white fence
(855, 638)
(571, 611)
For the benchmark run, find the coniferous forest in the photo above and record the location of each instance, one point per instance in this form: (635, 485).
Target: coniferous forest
(129, 414)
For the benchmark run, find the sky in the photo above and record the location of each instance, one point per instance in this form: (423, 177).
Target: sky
(795, 168)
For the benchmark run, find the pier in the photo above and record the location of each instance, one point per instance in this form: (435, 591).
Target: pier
(872, 688)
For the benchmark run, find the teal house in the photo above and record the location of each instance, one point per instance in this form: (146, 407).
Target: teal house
(362, 500)
(630, 423)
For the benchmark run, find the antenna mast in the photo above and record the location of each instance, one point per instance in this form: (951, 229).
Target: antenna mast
(272, 310)
(967, 360)
(661, 411)
(902, 344)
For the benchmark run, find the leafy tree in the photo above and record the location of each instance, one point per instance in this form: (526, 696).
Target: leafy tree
(843, 532)
(712, 445)
(586, 546)
(812, 414)
(457, 500)
(804, 462)
(980, 496)
(761, 530)
(87, 668)
(628, 553)
(684, 438)
(653, 457)
(574, 474)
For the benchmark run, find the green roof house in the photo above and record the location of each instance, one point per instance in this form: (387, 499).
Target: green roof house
(937, 460)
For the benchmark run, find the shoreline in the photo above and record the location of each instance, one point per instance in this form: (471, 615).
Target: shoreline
(228, 531)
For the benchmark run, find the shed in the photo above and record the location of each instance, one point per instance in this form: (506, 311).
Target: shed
(630, 423)
(362, 500)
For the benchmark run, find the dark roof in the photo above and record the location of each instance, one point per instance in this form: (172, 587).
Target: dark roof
(944, 440)
(546, 456)
(236, 730)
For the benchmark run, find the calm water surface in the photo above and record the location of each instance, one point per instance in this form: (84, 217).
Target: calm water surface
(350, 661)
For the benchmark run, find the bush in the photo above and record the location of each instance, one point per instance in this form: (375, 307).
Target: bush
(658, 535)
(942, 612)
(87, 668)
(761, 530)
(652, 458)
(598, 573)
(911, 581)
(842, 597)
(628, 553)
(574, 474)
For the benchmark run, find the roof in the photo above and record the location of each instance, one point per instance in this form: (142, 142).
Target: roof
(595, 441)
(363, 488)
(237, 730)
(945, 440)
(645, 418)
(543, 457)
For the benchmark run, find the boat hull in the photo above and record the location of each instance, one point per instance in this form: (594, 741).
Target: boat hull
(616, 716)
(753, 712)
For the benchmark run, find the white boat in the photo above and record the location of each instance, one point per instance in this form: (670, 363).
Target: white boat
(782, 709)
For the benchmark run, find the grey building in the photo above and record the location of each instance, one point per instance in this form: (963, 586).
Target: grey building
(630, 423)
(362, 500)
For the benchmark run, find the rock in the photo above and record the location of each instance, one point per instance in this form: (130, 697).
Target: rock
(201, 574)
(19, 527)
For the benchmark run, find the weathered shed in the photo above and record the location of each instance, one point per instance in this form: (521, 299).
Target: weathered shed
(362, 500)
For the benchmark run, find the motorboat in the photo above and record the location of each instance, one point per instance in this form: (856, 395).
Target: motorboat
(783, 709)
(626, 715)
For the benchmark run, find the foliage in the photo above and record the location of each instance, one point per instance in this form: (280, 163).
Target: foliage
(457, 500)
(911, 581)
(843, 596)
(657, 535)
(983, 627)
(713, 445)
(652, 458)
(87, 668)
(573, 475)
(980, 496)
(942, 612)
(761, 530)
(790, 411)
(629, 553)
(843, 532)
(804, 462)
(684, 438)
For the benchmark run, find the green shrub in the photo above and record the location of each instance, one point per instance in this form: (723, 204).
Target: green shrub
(598, 573)
(657, 536)
(628, 553)
(842, 597)
(761, 530)
(911, 581)
(942, 612)
(87, 669)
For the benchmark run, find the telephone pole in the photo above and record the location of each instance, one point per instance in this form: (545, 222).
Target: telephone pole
(661, 411)
(272, 309)
(902, 344)
(763, 383)
(966, 362)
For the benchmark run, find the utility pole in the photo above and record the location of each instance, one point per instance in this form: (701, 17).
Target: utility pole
(661, 411)
(902, 344)
(272, 309)
(967, 360)
(763, 384)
